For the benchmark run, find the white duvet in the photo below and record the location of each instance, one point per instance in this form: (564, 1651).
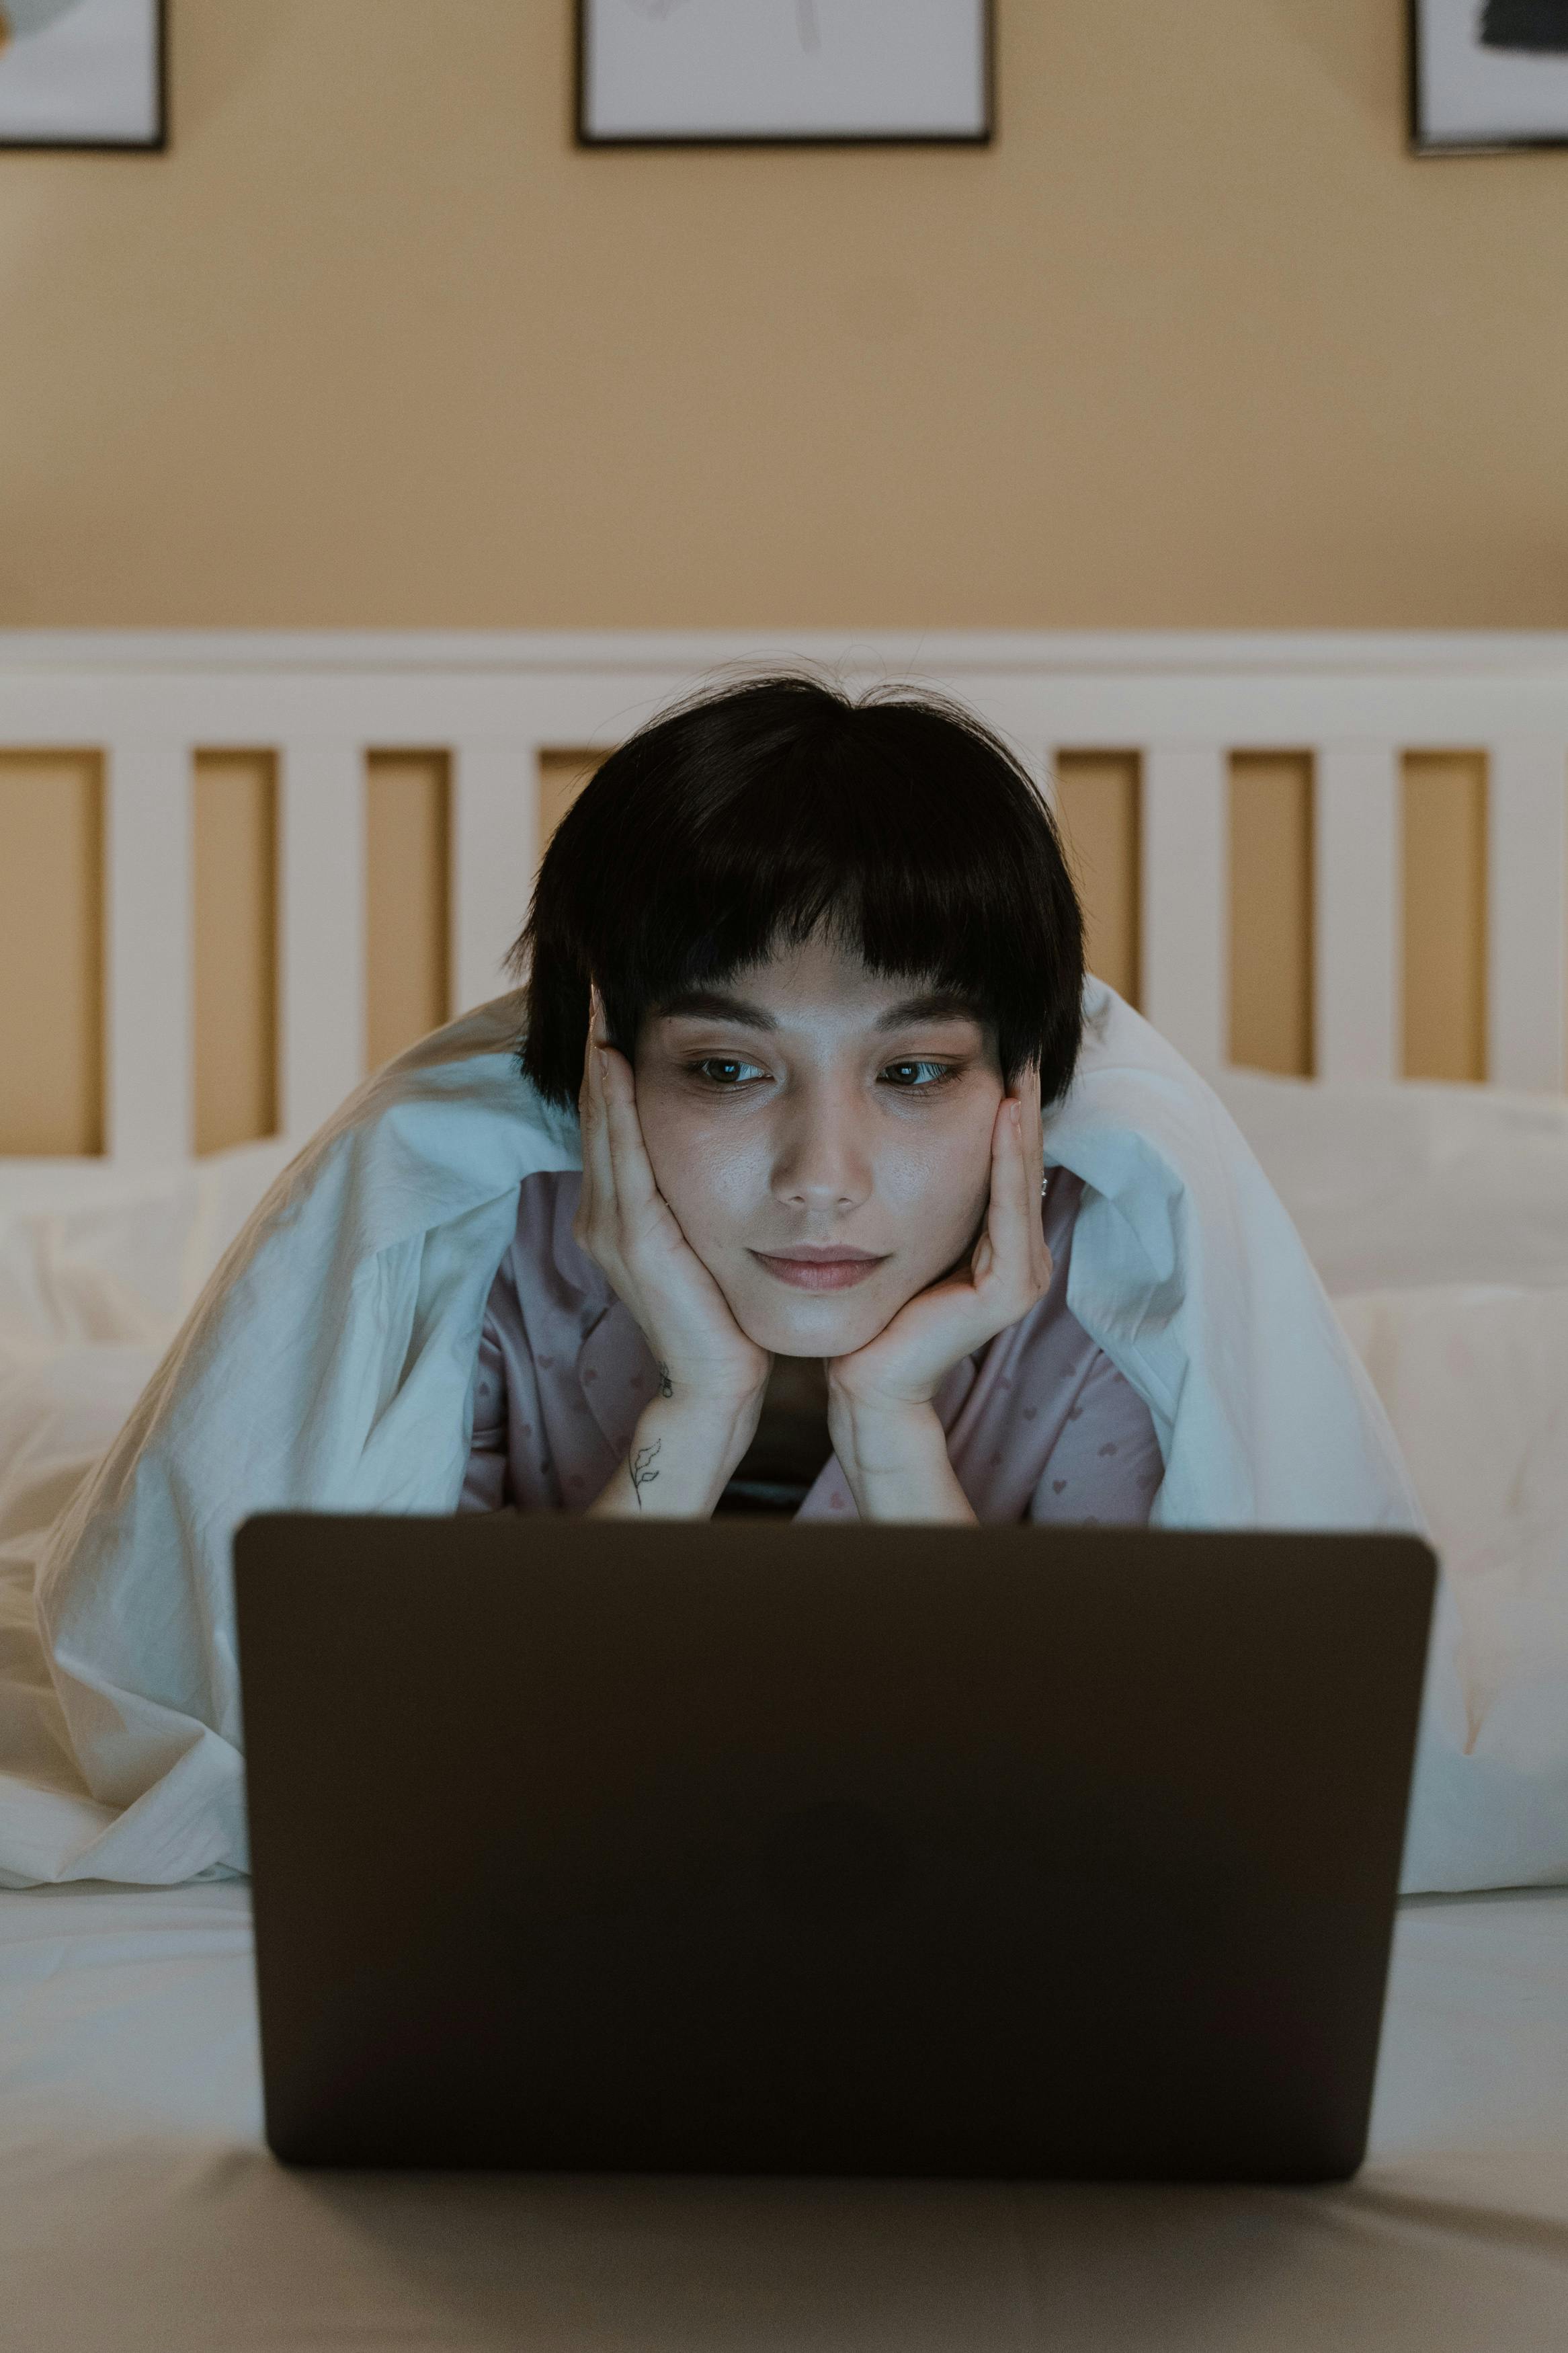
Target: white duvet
(97, 1272)
(1437, 1217)
(1459, 1196)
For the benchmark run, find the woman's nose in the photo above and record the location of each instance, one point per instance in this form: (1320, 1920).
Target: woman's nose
(822, 1162)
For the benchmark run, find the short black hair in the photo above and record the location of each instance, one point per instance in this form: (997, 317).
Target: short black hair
(735, 823)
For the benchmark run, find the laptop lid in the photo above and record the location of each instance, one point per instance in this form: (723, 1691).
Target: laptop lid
(713, 1847)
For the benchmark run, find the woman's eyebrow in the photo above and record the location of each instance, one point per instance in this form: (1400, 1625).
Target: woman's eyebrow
(717, 1005)
(935, 1005)
(714, 1004)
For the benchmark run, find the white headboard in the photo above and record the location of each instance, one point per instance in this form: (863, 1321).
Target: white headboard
(1183, 703)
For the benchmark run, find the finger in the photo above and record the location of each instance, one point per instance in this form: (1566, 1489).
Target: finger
(587, 1101)
(610, 1076)
(632, 1170)
(1009, 1214)
(585, 1084)
(598, 1167)
(1038, 1110)
(587, 1098)
(1036, 1171)
(1031, 1123)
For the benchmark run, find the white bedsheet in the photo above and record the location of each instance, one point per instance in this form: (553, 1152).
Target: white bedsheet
(138, 2210)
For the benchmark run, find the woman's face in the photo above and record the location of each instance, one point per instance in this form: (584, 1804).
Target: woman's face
(824, 1137)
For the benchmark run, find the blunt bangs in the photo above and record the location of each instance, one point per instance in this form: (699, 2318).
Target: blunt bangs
(736, 825)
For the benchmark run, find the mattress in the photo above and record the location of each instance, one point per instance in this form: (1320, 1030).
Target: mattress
(140, 2208)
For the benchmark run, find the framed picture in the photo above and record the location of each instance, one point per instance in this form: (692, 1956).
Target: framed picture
(83, 73)
(704, 73)
(1488, 74)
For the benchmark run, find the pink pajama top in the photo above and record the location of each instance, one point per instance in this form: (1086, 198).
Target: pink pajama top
(1041, 1424)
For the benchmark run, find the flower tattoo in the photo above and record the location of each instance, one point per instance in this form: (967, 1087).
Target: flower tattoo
(640, 1468)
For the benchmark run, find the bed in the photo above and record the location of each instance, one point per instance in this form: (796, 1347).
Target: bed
(138, 2206)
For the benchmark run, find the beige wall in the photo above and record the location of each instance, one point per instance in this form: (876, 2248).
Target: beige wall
(1195, 342)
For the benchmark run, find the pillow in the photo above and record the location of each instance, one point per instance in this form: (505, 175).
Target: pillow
(1415, 1184)
(89, 1252)
(1475, 1380)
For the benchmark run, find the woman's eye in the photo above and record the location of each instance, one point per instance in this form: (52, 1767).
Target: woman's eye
(724, 1070)
(938, 1073)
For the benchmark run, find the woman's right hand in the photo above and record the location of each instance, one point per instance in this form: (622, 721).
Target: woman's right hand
(629, 1230)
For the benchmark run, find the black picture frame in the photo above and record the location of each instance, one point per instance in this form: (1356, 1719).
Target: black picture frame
(1424, 141)
(156, 145)
(599, 141)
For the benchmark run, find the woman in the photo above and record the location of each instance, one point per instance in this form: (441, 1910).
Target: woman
(842, 1004)
(813, 1186)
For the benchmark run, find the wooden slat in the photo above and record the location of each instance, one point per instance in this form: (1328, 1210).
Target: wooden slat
(1444, 945)
(234, 901)
(408, 899)
(148, 960)
(321, 985)
(1046, 778)
(1527, 869)
(1270, 842)
(561, 777)
(495, 848)
(51, 953)
(1185, 897)
(1097, 798)
(1356, 963)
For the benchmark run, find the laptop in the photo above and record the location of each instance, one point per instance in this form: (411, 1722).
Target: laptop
(583, 1845)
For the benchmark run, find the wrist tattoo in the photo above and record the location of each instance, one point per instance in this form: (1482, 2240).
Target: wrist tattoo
(640, 1470)
(666, 1386)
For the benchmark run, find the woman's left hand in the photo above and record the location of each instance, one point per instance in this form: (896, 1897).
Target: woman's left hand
(885, 1430)
(1009, 1272)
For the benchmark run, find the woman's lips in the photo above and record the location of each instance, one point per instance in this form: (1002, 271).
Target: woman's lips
(817, 1274)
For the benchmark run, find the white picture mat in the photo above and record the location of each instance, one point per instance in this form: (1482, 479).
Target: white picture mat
(1469, 94)
(82, 69)
(782, 68)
